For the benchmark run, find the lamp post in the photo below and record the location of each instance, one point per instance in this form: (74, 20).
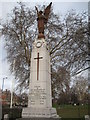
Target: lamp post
(3, 83)
(12, 86)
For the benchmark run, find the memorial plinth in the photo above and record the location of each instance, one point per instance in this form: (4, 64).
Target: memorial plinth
(40, 97)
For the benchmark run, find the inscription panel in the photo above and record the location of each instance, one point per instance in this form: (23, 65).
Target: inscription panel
(37, 96)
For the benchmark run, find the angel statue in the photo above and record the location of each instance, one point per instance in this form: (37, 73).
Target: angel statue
(42, 18)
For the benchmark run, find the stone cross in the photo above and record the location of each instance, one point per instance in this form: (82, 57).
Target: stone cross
(38, 64)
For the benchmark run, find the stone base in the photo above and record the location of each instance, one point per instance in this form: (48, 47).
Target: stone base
(39, 113)
(39, 119)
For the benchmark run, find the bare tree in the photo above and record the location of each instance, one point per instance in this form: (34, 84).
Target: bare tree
(80, 87)
(67, 40)
(60, 82)
(19, 35)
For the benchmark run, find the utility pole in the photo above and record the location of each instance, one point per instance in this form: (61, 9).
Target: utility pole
(12, 86)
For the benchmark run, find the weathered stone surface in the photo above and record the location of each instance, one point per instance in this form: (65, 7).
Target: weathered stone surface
(39, 119)
(39, 112)
(40, 95)
(40, 90)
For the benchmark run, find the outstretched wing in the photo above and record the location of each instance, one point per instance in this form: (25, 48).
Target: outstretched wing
(36, 9)
(47, 11)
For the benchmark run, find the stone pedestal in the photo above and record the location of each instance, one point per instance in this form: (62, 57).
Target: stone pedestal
(35, 118)
(39, 112)
(40, 97)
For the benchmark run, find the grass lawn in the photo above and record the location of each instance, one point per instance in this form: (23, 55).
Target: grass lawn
(69, 111)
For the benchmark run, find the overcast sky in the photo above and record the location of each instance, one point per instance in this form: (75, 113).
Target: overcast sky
(60, 7)
(44, 1)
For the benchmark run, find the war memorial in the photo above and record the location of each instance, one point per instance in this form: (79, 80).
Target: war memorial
(40, 94)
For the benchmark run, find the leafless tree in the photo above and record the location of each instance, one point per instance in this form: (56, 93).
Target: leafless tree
(67, 40)
(60, 82)
(80, 87)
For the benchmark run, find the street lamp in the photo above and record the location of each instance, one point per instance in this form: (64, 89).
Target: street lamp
(3, 83)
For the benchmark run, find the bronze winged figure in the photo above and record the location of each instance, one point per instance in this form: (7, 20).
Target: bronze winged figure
(42, 18)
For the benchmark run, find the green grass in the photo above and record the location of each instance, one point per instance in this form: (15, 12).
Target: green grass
(69, 111)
